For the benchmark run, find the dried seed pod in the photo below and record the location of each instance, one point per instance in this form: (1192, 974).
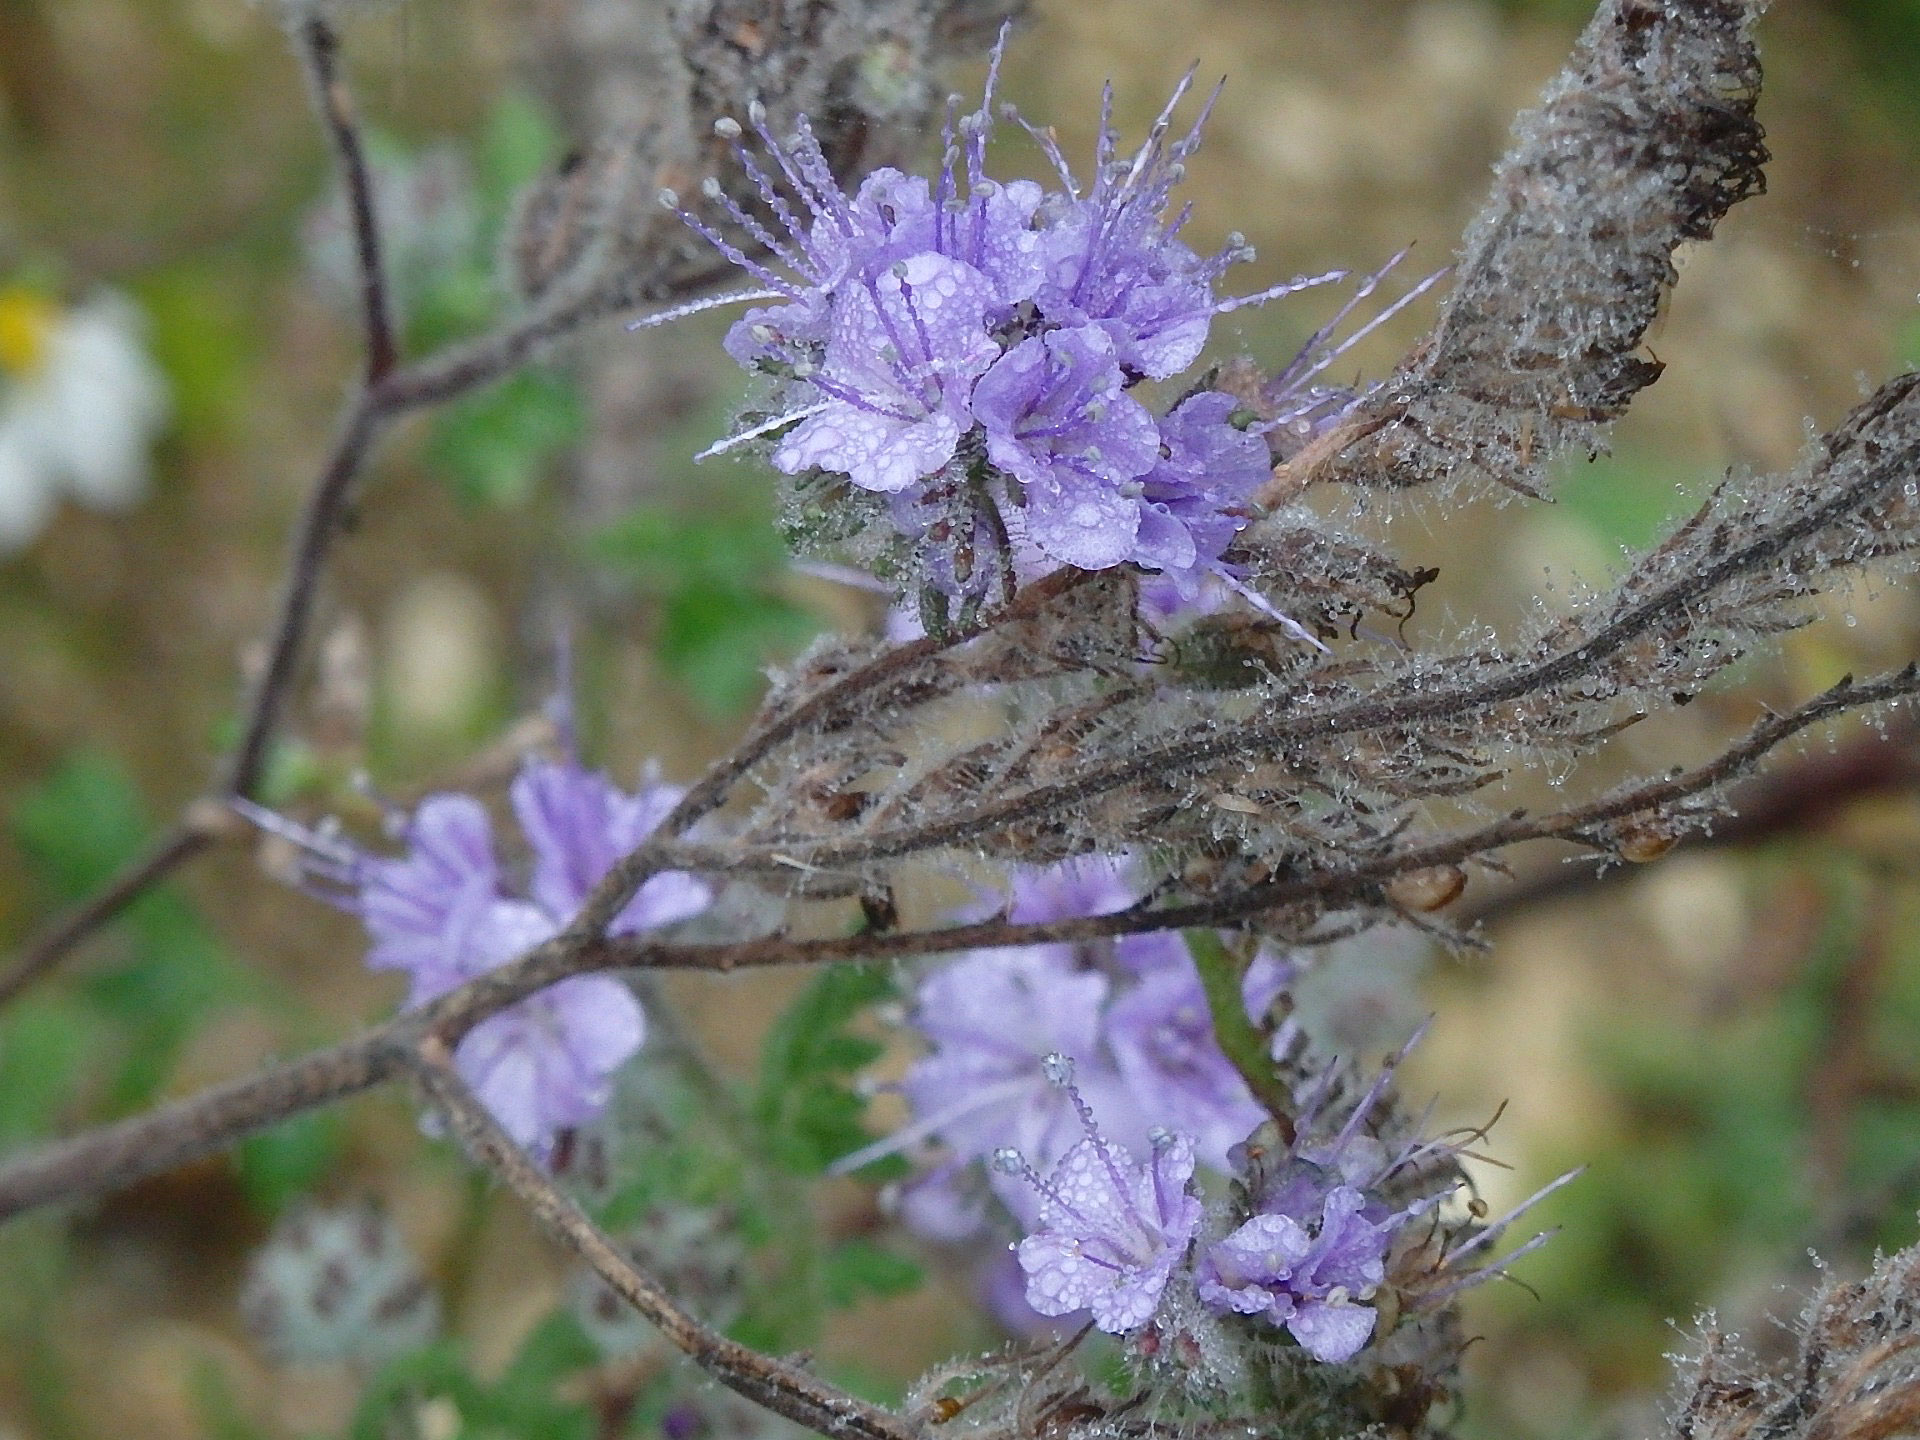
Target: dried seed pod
(1429, 889)
(1643, 842)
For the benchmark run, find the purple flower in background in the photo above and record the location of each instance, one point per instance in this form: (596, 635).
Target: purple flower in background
(443, 914)
(1311, 1282)
(546, 1064)
(1084, 885)
(579, 824)
(1129, 1015)
(427, 910)
(1161, 1036)
(1111, 1229)
(991, 1020)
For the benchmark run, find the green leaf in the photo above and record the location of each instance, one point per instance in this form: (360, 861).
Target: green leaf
(78, 828)
(718, 643)
(439, 1369)
(806, 1105)
(495, 446)
(722, 615)
(45, 1045)
(520, 141)
(220, 1415)
(203, 342)
(81, 824)
(855, 1269)
(453, 302)
(280, 1165)
(1626, 500)
(556, 1348)
(662, 548)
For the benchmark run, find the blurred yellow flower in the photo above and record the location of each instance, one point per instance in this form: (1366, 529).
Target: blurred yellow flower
(80, 404)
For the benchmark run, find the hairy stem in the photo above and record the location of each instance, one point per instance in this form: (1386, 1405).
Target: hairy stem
(1239, 1039)
(778, 1385)
(1400, 706)
(116, 1156)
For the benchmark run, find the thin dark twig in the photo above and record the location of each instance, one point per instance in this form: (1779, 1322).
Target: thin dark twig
(390, 392)
(1793, 800)
(776, 1384)
(119, 1155)
(319, 524)
(364, 416)
(320, 49)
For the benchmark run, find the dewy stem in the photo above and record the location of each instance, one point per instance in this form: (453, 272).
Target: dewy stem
(1240, 1040)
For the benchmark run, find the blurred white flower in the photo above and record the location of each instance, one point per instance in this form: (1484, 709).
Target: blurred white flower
(80, 405)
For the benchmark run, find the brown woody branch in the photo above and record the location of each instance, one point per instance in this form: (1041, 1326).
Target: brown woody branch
(779, 1385)
(1791, 800)
(1408, 704)
(119, 1155)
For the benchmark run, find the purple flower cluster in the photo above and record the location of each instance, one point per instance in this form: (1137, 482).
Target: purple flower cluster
(1129, 1016)
(444, 912)
(971, 348)
(1059, 1065)
(1312, 1282)
(1110, 1232)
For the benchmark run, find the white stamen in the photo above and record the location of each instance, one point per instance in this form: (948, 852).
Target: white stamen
(720, 447)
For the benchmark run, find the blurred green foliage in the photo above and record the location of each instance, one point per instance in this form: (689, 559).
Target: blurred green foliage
(1625, 500)
(495, 445)
(524, 1402)
(1733, 1144)
(807, 1106)
(119, 1027)
(714, 579)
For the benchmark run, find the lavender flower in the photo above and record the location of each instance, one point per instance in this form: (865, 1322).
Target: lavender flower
(1128, 1014)
(992, 1019)
(442, 914)
(968, 348)
(1161, 1036)
(1111, 1229)
(1058, 420)
(427, 910)
(1325, 1220)
(904, 351)
(1311, 1283)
